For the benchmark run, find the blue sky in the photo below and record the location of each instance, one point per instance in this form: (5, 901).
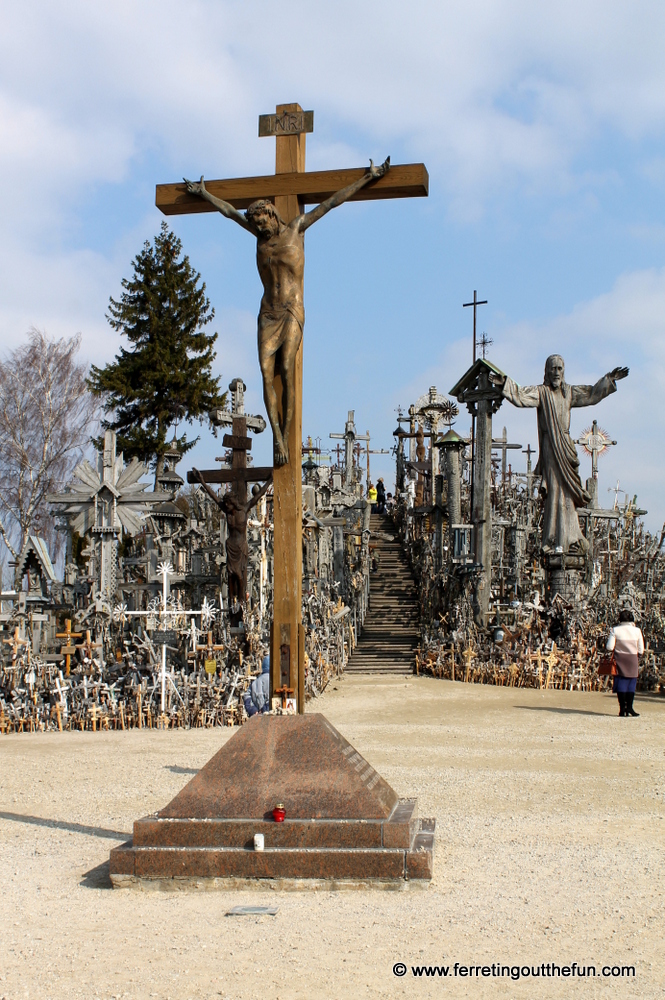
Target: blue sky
(543, 129)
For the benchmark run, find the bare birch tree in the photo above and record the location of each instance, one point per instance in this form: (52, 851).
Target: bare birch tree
(47, 416)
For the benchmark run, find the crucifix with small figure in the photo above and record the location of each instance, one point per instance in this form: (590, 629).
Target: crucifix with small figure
(16, 642)
(88, 646)
(275, 215)
(234, 504)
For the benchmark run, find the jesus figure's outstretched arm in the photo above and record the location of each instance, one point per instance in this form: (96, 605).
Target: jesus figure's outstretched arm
(199, 188)
(211, 493)
(589, 395)
(524, 396)
(303, 222)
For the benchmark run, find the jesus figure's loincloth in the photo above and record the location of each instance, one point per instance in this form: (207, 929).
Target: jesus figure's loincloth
(275, 327)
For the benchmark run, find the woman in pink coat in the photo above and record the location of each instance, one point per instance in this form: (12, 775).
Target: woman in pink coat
(627, 643)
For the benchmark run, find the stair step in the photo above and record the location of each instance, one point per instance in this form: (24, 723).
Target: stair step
(390, 634)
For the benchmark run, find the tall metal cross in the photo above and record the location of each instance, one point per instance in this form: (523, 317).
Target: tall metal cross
(476, 302)
(501, 444)
(350, 436)
(465, 305)
(291, 188)
(528, 451)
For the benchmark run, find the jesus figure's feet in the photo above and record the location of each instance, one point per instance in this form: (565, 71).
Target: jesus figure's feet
(281, 453)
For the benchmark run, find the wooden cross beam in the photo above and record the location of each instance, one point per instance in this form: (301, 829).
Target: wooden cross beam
(290, 189)
(408, 180)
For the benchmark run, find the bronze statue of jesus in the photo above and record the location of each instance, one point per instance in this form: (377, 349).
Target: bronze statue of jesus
(280, 258)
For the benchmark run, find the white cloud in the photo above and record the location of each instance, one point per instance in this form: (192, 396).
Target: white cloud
(497, 96)
(490, 89)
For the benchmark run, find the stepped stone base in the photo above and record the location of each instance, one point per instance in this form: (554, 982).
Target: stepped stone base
(344, 822)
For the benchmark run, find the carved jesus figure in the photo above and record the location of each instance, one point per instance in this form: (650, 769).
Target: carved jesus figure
(237, 550)
(280, 258)
(558, 462)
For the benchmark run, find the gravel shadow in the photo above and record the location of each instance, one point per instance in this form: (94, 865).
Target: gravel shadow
(97, 878)
(564, 711)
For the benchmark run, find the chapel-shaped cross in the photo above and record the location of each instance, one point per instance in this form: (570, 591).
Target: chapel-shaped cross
(280, 326)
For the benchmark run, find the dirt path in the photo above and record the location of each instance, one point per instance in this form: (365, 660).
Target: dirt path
(550, 849)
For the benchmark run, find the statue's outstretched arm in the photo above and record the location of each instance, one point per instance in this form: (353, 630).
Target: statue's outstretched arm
(199, 478)
(257, 496)
(198, 188)
(373, 174)
(589, 395)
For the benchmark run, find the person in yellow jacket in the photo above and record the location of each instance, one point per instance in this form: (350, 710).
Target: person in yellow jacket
(372, 495)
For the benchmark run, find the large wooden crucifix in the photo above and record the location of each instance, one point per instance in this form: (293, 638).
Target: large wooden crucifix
(276, 217)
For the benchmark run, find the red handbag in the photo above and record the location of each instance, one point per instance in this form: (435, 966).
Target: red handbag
(607, 666)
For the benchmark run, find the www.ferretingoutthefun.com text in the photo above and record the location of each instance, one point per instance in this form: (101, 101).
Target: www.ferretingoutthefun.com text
(546, 970)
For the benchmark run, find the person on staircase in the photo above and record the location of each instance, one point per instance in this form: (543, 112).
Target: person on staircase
(627, 643)
(380, 497)
(371, 496)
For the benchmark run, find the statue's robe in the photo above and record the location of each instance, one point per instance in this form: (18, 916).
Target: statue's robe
(558, 462)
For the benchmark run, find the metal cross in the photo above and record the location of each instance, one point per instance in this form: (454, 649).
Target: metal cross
(484, 343)
(476, 302)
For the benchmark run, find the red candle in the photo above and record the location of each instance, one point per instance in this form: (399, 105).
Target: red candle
(278, 813)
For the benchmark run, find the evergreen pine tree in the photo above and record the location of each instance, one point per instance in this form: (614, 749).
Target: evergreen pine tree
(166, 375)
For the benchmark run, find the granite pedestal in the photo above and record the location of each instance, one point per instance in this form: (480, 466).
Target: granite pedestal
(343, 821)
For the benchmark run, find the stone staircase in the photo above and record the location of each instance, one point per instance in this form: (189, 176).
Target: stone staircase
(389, 638)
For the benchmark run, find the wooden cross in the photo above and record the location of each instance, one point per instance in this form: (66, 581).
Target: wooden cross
(551, 660)
(539, 660)
(284, 693)
(68, 650)
(209, 649)
(239, 443)
(238, 475)
(290, 189)
(467, 656)
(88, 645)
(93, 712)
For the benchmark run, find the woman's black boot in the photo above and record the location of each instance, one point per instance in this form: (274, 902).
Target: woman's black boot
(622, 704)
(629, 705)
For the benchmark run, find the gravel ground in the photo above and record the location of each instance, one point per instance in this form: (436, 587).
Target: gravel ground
(550, 837)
